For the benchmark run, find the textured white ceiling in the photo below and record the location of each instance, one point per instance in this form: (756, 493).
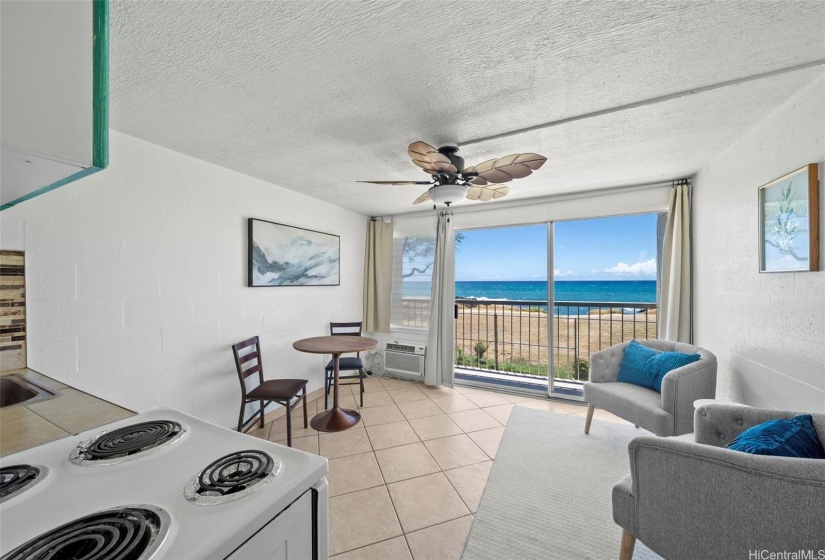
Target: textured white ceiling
(314, 95)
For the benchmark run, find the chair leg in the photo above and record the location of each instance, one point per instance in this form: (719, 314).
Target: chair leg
(263, 408)
(590, 409)
(288, 424)
(306, 417)
(326, 390)
(361, 381)
(240, 416)
(628, 544)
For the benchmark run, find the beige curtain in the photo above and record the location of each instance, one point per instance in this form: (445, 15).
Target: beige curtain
(438, 365)
(378, 276)
(676, 308)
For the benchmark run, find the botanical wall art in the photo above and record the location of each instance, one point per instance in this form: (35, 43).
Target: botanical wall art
(281, 255)
(789, 222)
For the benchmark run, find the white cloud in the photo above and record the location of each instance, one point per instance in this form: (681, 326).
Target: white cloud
(559, 272)
(641, 268)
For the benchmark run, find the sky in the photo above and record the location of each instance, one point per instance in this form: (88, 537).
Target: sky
(618, 248)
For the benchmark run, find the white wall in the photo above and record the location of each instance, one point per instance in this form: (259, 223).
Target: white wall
(768, 330)
(137, 281)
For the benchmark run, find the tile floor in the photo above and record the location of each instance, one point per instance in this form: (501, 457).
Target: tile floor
(405, 482)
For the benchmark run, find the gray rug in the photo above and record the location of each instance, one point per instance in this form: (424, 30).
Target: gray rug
(549, 491)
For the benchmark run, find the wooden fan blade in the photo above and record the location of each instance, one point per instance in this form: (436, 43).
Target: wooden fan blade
(423, 198)
(429, 159)
(468, 171)
(396, 182)
(507, 168)
(489, 192)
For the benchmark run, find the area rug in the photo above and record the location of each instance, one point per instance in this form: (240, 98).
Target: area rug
(549, 492)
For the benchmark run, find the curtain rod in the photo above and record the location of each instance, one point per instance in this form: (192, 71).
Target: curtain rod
(550, 198)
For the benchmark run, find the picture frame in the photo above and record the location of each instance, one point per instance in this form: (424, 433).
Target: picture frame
(284, 255)
(789, 222)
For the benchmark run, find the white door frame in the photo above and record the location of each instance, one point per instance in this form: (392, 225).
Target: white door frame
(551, 297)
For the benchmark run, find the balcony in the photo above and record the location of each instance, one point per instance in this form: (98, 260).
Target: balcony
(503, 338)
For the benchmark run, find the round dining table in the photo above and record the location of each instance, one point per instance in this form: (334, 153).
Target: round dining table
(336, 419)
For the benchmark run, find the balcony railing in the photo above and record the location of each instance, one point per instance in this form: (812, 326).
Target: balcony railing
(511, 336)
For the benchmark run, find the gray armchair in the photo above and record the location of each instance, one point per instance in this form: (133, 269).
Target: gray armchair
(687, 500)
(667, 414)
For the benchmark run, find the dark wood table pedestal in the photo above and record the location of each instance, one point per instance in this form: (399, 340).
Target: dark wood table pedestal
(336, 419)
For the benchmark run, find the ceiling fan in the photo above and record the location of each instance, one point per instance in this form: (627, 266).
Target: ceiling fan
(450, 181)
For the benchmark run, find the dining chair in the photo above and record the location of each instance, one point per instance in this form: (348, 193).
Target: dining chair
(346, 364)
(282, 391)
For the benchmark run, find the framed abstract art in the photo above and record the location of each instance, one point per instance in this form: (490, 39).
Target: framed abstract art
(282, 255)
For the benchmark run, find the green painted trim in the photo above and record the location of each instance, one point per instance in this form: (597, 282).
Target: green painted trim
(79, 175)
(100, 84)
(100, 103)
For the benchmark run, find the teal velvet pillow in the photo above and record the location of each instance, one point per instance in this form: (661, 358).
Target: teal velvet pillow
(795, 437)
(647, 367)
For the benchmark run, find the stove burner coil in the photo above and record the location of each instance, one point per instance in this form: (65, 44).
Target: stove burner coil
(127, 533)
(232, 477)
(128, 442)
(15, 478)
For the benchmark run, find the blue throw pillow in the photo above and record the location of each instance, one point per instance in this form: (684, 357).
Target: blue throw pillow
(647, 367)
(782, 438)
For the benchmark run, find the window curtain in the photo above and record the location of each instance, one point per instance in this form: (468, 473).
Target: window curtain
(378, 276)
(438, 365)
(676, 304)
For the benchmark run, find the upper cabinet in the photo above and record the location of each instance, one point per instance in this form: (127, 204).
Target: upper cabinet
(54, 88)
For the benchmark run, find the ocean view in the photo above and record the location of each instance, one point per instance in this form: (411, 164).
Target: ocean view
(630, 291)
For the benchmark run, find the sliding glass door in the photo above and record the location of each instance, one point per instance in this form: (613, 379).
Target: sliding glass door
(603, 291)
(534, 302)
(501, 325)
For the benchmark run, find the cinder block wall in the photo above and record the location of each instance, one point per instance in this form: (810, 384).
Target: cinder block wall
(137, 281)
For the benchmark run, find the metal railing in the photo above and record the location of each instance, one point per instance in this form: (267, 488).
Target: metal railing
(512, 336)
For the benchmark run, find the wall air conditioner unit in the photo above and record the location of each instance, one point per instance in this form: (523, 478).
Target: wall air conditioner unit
(404, 359)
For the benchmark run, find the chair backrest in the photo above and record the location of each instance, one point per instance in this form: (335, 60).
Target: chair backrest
(346, 329)
(248, 360)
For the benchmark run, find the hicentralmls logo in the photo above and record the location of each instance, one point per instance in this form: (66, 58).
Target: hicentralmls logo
(786, 554)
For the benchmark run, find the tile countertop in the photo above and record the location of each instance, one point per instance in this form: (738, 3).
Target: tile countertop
(23, 426)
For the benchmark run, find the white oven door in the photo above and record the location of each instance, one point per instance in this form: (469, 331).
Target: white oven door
(287, 537)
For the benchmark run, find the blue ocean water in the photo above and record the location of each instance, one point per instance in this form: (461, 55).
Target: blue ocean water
(624, 291)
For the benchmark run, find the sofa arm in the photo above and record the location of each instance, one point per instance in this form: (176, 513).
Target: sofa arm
(682, 386)
(605, 364)
(718, 424)
(699, 501)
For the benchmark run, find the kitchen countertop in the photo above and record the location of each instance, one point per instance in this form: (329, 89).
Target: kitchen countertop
(24, 426)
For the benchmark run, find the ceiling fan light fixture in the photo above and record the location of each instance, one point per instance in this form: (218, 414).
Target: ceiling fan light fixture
(448, 194)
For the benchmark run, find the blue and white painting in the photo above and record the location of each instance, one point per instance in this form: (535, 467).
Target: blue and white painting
(281, 255)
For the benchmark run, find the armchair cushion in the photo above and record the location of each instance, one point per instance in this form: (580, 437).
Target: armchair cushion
(647, 367)
(795, 437)
(632, 403)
